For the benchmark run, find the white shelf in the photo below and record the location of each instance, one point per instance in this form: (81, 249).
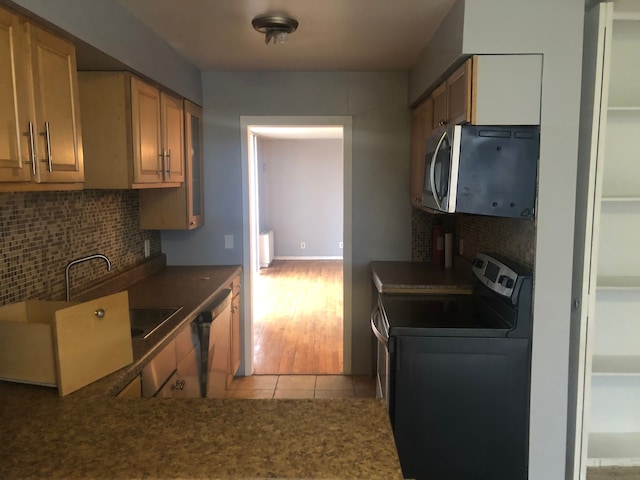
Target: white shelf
(617, 365)
(609, 449)
(621, 176)
(626, 16)
(618, 283)
(625, 61)
(619, 199)
(618, 109)
(619, 231)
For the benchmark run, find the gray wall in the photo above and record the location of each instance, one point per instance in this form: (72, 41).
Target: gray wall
(380, 211)
(555, 30)
(302, 184)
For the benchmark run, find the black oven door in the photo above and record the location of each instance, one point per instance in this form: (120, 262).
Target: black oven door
(380, 329)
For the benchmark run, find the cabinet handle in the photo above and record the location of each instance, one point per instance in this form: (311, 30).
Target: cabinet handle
(32, 147)
(47, 136)
(169, 163)
(178, 386)
(442, 122)
(161, 167)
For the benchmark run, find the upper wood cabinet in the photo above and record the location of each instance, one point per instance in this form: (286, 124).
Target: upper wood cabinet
(40, 135)
(490, 90)
(421, 124)
(452, 98)
(484, 90)
(179, 208)
(133, 133)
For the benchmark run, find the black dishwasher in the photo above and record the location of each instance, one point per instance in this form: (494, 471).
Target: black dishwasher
(458, 370)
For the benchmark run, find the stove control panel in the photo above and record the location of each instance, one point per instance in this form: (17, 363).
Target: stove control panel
(499, 274)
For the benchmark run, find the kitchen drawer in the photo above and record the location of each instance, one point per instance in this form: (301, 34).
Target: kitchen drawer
(62, 344)
(156, 372)
(186, 340)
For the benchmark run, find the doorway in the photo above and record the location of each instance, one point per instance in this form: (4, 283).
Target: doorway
(297, 265)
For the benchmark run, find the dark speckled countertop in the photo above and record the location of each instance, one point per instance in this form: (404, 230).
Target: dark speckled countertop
(91, 434)
(422, 278)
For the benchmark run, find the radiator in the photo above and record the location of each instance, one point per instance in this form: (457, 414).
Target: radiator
(266, 248)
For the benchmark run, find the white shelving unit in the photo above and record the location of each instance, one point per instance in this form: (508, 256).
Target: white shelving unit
(614, 398)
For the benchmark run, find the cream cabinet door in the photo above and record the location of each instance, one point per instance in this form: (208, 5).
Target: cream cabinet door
(173, 138)
(14, 104)
(57, 118)
(147, 135)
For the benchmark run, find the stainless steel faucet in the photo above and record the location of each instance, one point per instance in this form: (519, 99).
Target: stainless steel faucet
(80, 260)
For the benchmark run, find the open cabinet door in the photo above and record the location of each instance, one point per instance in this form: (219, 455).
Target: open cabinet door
(593, 115)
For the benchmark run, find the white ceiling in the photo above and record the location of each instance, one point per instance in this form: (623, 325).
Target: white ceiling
(352, 35)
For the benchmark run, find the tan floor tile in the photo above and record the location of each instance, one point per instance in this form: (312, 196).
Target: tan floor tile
(296, 382)
(334, 394)
(334, 382)
(293, 394)
(255, 382)
(239, 393)
(369, 392)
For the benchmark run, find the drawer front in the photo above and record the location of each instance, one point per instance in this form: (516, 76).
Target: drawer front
(186, 340)
(156, 372)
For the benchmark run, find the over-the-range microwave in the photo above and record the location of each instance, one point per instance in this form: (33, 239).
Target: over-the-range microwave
(486, 170)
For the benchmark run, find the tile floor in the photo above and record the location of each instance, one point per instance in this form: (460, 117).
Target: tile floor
(302, 386)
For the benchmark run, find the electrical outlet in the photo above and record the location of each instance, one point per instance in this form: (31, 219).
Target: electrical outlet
(303, 245)
(340, 245)
(147, 248)
(228, 242)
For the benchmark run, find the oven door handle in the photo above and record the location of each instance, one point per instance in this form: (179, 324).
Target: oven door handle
(379, 335)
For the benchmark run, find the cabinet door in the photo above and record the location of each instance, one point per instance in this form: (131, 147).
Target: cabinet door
(57, 117)
(421, 123)
(187, 382)
(236, 344)
(180, 208)
(132, 390)
(173, 138)
(439, 96)
(15, 158)
(194, 183)
(459, 94)
(147, 139)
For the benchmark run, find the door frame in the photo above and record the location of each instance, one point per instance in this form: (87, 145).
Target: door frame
(248, 228)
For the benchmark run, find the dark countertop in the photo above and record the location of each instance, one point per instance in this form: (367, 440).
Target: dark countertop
(47, 436)
(90, 433)
(422, 278)
(189, 287)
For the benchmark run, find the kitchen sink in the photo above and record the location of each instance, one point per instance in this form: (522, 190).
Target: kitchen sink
(146, 320)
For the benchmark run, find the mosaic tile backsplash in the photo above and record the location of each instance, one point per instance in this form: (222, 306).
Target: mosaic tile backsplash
(512, 237)
(41, 232)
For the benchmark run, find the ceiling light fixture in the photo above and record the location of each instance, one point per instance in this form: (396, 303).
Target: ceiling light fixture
(276, 27)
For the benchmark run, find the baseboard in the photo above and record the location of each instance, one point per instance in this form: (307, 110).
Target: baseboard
(307, 258)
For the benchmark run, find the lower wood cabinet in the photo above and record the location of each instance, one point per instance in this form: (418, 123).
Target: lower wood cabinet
(235, 350)
(132, 390)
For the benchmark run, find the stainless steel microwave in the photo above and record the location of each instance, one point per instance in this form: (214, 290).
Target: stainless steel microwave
(485, 170)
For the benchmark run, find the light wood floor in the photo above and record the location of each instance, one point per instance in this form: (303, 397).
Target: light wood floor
(297, 318)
